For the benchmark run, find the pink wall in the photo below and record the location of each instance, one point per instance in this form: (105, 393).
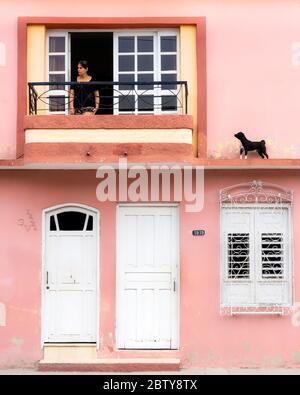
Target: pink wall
(252, 83)
(207, 339)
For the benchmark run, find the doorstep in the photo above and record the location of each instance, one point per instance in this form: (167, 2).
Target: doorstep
(111, 365)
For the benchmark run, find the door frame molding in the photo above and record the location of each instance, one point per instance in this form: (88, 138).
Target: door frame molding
(176, 344)
(43, 262)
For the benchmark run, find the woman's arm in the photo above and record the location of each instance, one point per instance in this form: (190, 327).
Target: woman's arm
(97, 101)
(71, 102)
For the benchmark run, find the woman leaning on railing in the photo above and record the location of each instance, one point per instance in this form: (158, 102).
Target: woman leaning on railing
(84, 98)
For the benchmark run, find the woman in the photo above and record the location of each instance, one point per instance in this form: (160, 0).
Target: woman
(84, 98)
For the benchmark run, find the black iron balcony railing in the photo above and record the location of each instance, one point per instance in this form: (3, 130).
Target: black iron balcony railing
(154, 97)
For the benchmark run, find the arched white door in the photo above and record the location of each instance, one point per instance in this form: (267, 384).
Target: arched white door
(70, 274)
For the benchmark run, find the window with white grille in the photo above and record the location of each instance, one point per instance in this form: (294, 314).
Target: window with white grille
(256, 256)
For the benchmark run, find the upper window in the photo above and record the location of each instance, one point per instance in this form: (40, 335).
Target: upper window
(256, 256)
(71, 221)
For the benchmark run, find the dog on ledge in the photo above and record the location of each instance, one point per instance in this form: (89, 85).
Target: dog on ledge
(247, 145)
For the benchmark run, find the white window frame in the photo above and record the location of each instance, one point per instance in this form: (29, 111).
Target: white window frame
(255, 263)
(66, 53)
(156, 34)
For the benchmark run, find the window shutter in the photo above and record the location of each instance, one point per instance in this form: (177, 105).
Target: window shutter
(237, 256)
(273, 261)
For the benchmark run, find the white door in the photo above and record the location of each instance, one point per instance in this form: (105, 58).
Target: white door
(70, 275)
(147, 277)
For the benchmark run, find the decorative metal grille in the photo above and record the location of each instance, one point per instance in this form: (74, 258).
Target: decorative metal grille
(272, 255)
(238, 256)
(256, 192)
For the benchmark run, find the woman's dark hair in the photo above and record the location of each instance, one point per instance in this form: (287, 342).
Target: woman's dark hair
(83, 63)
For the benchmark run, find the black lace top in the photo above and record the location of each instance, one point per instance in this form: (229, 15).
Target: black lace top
(84, 94)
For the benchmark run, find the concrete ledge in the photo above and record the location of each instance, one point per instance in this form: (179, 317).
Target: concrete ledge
(108, 122)
(113, 365)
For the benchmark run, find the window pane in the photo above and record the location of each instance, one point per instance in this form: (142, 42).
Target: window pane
(126, 63)
(146, 103)
(90, 223)
(56, 103)
(52, 223)
(56, 62)
(168, 62)
(238, 256)
(57, 78)
(127, 103)
(71, 220)
(168, 44)
(145, 44)
(145, 62)
(126, 78)
(126, 44)
(56, 44)
(169, 78)
(169, 103)
(145, 78)
(272, 255)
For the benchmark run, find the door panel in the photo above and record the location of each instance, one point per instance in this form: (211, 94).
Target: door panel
(147, 300)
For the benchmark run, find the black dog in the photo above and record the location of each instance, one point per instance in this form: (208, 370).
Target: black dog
(247, 145)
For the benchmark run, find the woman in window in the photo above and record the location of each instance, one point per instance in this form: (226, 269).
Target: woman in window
(84, 98)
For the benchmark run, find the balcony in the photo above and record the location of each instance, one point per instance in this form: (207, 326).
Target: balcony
(144, 121)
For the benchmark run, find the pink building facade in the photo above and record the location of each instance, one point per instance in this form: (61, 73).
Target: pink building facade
(96, 275)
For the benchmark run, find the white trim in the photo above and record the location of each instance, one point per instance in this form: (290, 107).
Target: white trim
(176, 328)
(60, 208)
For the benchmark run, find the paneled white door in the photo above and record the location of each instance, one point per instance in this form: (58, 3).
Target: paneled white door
(70, 275)
(147, 277)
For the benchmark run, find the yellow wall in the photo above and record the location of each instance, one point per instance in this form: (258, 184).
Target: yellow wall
(36, 55)
(188, 72)
(179, 136)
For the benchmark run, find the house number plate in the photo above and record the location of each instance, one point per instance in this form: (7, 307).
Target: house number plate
(198, 232)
